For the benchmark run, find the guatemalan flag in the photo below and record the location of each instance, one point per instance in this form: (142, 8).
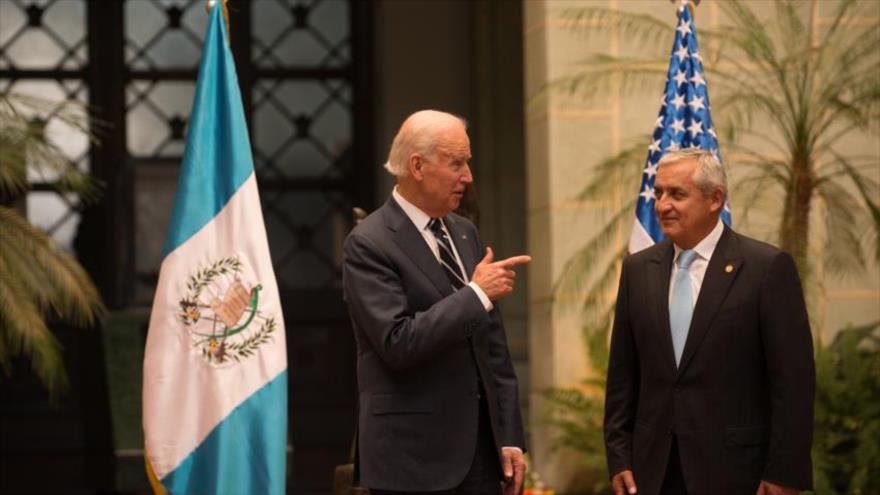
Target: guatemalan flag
(684, 121)
(215, 365)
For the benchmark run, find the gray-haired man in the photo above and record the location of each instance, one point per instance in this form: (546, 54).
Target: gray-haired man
(711, 376)
(439, 408)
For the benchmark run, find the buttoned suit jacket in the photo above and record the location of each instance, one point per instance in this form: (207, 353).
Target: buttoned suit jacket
(740, 404)
(421, 348)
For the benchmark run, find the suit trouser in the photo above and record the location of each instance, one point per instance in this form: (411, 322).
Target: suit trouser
(484, 476)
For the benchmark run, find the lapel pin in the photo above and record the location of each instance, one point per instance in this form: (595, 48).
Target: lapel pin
(464, 236)
(728, 268)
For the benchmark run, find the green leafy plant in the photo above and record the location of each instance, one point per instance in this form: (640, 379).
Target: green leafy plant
(846, 453)
(38, 279)
(577, 414)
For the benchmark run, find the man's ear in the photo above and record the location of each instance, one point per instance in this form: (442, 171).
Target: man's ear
(717, 200)
(416, 162)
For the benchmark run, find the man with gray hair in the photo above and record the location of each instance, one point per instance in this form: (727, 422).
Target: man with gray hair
(711, 376)
(438, 403)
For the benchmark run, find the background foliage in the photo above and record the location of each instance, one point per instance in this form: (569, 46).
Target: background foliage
(38, 279)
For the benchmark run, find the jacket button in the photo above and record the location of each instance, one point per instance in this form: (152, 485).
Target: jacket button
(677, 389)
(672, 430)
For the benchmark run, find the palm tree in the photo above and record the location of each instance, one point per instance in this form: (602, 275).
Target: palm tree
(38, 279)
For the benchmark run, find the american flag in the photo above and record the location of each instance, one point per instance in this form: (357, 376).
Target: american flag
(684, 121)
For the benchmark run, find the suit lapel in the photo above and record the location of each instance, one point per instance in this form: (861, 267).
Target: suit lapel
(659, 270)
(723, 269)
(411, 242)
(464, 248)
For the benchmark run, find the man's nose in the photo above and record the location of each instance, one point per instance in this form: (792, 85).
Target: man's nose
(661, 203)
(467, 177)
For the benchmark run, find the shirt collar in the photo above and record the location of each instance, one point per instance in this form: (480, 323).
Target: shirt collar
(707, 246)
(418, 217)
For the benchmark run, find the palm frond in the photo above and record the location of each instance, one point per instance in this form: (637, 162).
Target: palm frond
(748, 34)
(631, 77)
(623, 168)
(847, 10)
(67, 289)
(38, 280)
(577, 273)
(25, 333)
(646, 30)
(867, 193)
(844, 226)
(793, 31)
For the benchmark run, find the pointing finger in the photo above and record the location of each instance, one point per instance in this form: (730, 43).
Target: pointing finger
(515, 260)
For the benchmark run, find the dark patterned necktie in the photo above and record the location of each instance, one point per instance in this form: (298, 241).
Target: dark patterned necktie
(447, 258)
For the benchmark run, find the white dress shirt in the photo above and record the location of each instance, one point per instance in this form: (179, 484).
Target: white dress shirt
(420, 219)
(697, 270)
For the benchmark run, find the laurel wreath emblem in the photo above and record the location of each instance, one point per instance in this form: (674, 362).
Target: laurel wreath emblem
(222, 315)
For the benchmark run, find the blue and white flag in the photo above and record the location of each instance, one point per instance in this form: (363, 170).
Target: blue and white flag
(684, 121)
(215, 365)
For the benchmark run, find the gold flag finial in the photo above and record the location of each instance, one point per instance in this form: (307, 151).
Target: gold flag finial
(690, 4)
(210, 5)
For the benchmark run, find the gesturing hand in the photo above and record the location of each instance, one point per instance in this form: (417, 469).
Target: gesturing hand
(496, 277)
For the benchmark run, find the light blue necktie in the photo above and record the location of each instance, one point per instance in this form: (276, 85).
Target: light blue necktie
(681, 305)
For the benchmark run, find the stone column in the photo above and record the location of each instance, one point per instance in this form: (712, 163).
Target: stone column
(565, 138)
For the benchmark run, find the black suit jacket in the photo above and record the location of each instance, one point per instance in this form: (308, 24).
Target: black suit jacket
(421, 349)
(741, 402)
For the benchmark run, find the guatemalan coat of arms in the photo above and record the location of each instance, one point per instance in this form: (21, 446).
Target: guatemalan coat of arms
(221, 312)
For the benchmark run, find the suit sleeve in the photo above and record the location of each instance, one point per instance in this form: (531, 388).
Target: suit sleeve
(788, 349)
(621, 392)
(379, 308)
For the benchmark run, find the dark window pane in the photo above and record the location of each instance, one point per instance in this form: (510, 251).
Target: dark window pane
(302, 128)
(305, 231)
(164, 34)
(299, 33)
(156, 112)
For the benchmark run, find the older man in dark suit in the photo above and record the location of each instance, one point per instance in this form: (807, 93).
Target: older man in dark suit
(711, 377)
(438, 399)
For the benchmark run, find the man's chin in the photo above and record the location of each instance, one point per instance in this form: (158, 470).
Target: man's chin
(669, 232)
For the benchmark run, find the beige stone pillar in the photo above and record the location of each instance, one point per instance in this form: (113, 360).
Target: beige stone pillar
(565, 137)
